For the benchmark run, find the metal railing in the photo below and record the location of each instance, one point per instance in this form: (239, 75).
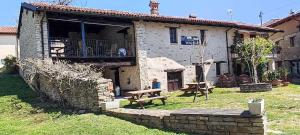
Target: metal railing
(73, 48)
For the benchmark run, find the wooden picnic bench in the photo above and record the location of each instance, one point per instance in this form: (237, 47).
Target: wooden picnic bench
(192, 87)
(143, 96)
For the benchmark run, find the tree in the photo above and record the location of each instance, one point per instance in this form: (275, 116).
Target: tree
(57, 2)
(62, 2)
(254, 52)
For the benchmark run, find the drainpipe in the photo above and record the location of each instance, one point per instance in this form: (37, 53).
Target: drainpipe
(227, 48)
(42, 35)
(17, 47)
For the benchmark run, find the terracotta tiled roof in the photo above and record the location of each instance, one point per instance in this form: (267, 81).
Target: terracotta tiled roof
(266, 24)
(8, 30)
(140, 16)
(277, 22)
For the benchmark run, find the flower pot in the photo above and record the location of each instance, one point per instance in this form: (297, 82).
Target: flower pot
(256, 106)
(285, 84)
(276, 82)
(110, 105)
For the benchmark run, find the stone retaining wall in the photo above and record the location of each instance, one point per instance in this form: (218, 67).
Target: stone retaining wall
(197, 121)
(83, 93)
(260, 87)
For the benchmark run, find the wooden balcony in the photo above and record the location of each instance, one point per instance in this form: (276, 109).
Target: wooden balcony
(92, 50)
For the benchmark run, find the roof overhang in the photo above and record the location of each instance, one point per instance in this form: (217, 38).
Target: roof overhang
(286, 19)
(139, 16)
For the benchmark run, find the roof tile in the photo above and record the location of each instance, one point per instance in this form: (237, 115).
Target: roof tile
(277, 22)
(8, 30)
(141, 16)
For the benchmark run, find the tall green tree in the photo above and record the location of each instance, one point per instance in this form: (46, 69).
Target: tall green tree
(254, 52)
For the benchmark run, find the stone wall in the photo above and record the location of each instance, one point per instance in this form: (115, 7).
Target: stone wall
(261, 87)
(153, 41)
(83, 93)
(30, 35)
(283, 38)
(197, 121)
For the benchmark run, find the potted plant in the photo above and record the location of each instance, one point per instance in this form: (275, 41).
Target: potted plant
(273, 77)
(256, 106)
(283, 73)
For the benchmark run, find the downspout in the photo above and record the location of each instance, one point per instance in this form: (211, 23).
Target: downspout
(42, 35)
(17, 47)
(227, 48)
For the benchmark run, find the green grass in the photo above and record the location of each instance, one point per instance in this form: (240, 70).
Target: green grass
(282, 105)
(23, 113)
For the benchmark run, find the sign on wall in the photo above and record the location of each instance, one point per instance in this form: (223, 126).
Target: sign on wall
(189, 40)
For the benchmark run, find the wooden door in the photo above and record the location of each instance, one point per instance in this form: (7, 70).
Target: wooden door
(174, 80)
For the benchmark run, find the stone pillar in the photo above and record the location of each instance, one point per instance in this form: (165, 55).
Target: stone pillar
(141, 54)
(272, 65)
(41, 19)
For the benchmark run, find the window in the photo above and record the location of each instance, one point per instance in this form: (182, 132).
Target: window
(292, 41)
(203, 36)
(218, 68)
(173, 35)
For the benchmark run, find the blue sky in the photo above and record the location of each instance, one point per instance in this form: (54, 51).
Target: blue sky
(243, 10)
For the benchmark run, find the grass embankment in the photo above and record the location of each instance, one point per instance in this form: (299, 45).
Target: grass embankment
(22, 112)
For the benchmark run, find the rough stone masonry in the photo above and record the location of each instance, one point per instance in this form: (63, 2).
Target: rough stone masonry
(80, 93)
(197, 121)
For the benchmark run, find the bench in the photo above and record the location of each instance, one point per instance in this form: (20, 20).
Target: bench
(193, 88)
(149, 95)
(142, 101)
(210, 89)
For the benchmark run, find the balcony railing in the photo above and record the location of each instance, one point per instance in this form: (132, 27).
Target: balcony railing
(73, 48)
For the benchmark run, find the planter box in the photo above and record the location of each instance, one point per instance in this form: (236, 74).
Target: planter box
(285, 84)
(259, 87)
(276, 82)
(110, 105)
(256, 107)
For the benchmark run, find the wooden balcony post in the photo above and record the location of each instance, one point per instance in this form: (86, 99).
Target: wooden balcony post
(83, 36)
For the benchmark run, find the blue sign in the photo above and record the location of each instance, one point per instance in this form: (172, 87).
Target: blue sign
(189, 40)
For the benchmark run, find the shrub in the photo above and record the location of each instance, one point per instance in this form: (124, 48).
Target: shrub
(283, 73)
(10, 64)
(280, 73)
(270, 76)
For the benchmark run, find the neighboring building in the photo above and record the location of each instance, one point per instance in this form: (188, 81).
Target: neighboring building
(8, 42)
(134, 48)
(288, 42)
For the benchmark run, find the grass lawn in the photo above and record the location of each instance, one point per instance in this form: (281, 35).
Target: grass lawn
(22, 112)
(282, 105)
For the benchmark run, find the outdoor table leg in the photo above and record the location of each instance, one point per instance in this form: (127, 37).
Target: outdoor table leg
(142, 105)
(163, 101)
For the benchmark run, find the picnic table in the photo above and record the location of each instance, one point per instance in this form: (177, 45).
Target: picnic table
(192, 87)
(142, 96)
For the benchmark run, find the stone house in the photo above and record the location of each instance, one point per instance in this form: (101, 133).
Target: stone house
(288, 42)
(8, 42)
(133, 48)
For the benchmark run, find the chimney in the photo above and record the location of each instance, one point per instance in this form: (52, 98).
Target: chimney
(154, 7)
(192, 16)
